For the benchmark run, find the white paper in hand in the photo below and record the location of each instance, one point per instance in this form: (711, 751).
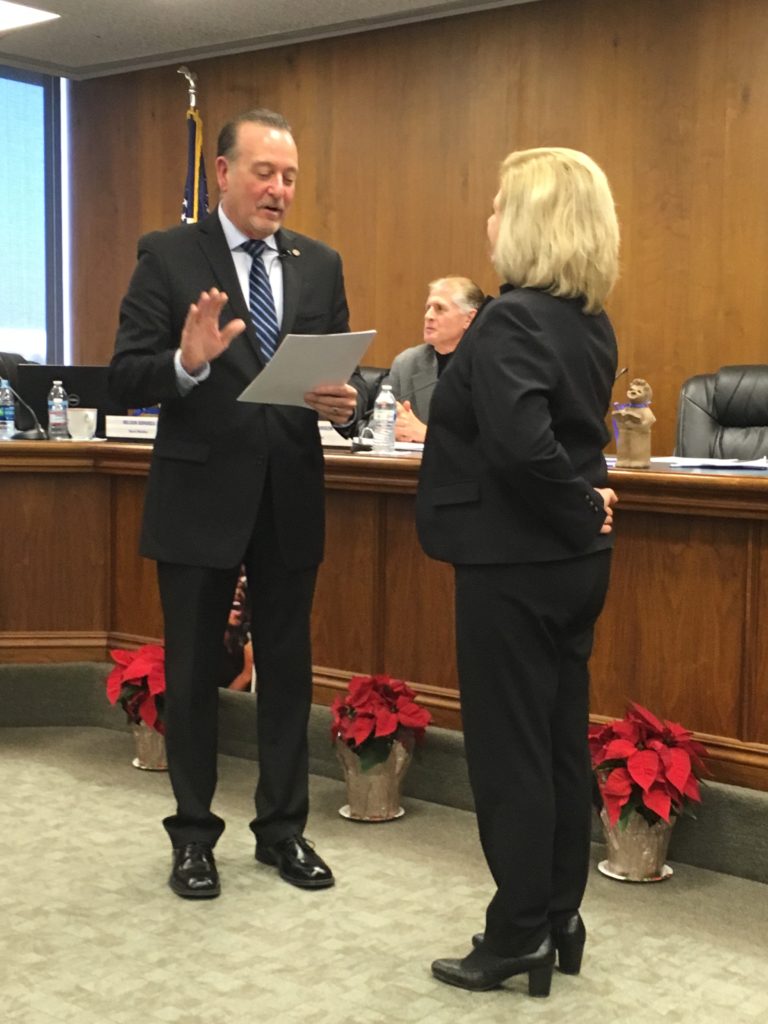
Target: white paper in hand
(304, 362)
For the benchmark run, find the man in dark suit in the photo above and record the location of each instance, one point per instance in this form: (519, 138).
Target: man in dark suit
(233, 482)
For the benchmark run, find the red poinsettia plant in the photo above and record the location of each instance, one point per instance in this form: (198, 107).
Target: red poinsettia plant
(137, 683)
(645, 765)
(376, 711)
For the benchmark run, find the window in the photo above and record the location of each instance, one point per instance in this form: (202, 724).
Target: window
(31, 320)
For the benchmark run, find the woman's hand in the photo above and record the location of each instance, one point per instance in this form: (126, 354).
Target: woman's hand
(610, 498)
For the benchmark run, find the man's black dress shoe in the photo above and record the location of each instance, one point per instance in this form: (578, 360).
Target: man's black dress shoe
(296, 862)
(568, 936)
(481, 970)
(194, 875)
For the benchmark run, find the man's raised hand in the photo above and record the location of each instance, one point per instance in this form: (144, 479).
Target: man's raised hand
(202, 340)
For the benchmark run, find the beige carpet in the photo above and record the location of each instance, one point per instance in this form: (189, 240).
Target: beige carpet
(92, 935)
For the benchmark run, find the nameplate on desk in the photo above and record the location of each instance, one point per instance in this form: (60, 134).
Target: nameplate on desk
(682, 462)
(698, 462)
(131, 428)
(330, 437)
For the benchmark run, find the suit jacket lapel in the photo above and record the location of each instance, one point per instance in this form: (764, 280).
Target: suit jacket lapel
(423, 381)
(291, 263)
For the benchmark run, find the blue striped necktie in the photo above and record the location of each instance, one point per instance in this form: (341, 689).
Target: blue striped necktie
(261, 301)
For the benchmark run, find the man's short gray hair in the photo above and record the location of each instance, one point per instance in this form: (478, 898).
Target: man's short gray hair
(462, 290)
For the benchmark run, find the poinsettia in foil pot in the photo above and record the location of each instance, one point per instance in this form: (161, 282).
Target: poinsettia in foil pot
(137, 683)
(374, 713)
(646, 765)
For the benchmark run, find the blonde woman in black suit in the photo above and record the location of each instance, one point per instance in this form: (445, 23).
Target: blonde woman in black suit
(513, 493)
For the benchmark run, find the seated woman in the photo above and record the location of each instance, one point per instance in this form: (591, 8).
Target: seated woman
(452, 303)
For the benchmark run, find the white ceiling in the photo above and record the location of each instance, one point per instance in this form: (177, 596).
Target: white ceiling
(101, 37)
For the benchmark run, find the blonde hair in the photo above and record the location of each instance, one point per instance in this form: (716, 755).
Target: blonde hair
(463, 292)
(557, 226)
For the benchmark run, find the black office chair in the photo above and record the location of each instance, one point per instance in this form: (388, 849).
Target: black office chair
(9, 370)
(372, 376)
(724, 415)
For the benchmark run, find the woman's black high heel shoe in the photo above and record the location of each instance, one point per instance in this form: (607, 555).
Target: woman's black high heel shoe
(568, 937)
(481, 971)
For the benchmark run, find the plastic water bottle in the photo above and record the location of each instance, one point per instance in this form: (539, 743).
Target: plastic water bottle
(384, 416)
(7, 412)
(58, 403)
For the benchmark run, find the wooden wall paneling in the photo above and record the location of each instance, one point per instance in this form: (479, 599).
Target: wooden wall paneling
(55, 543)
(425, 174)
(418, 625)
(683, 630)
(106, 206)
(679, 309)
(55, 594)
(339, 181)
(136, 614)
(401, 131)
(670, 135)
(743, 332)
(346, 610)
(676, 605)
(697, 339)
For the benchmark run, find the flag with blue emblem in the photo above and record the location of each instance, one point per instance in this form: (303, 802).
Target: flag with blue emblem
(195, 203)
